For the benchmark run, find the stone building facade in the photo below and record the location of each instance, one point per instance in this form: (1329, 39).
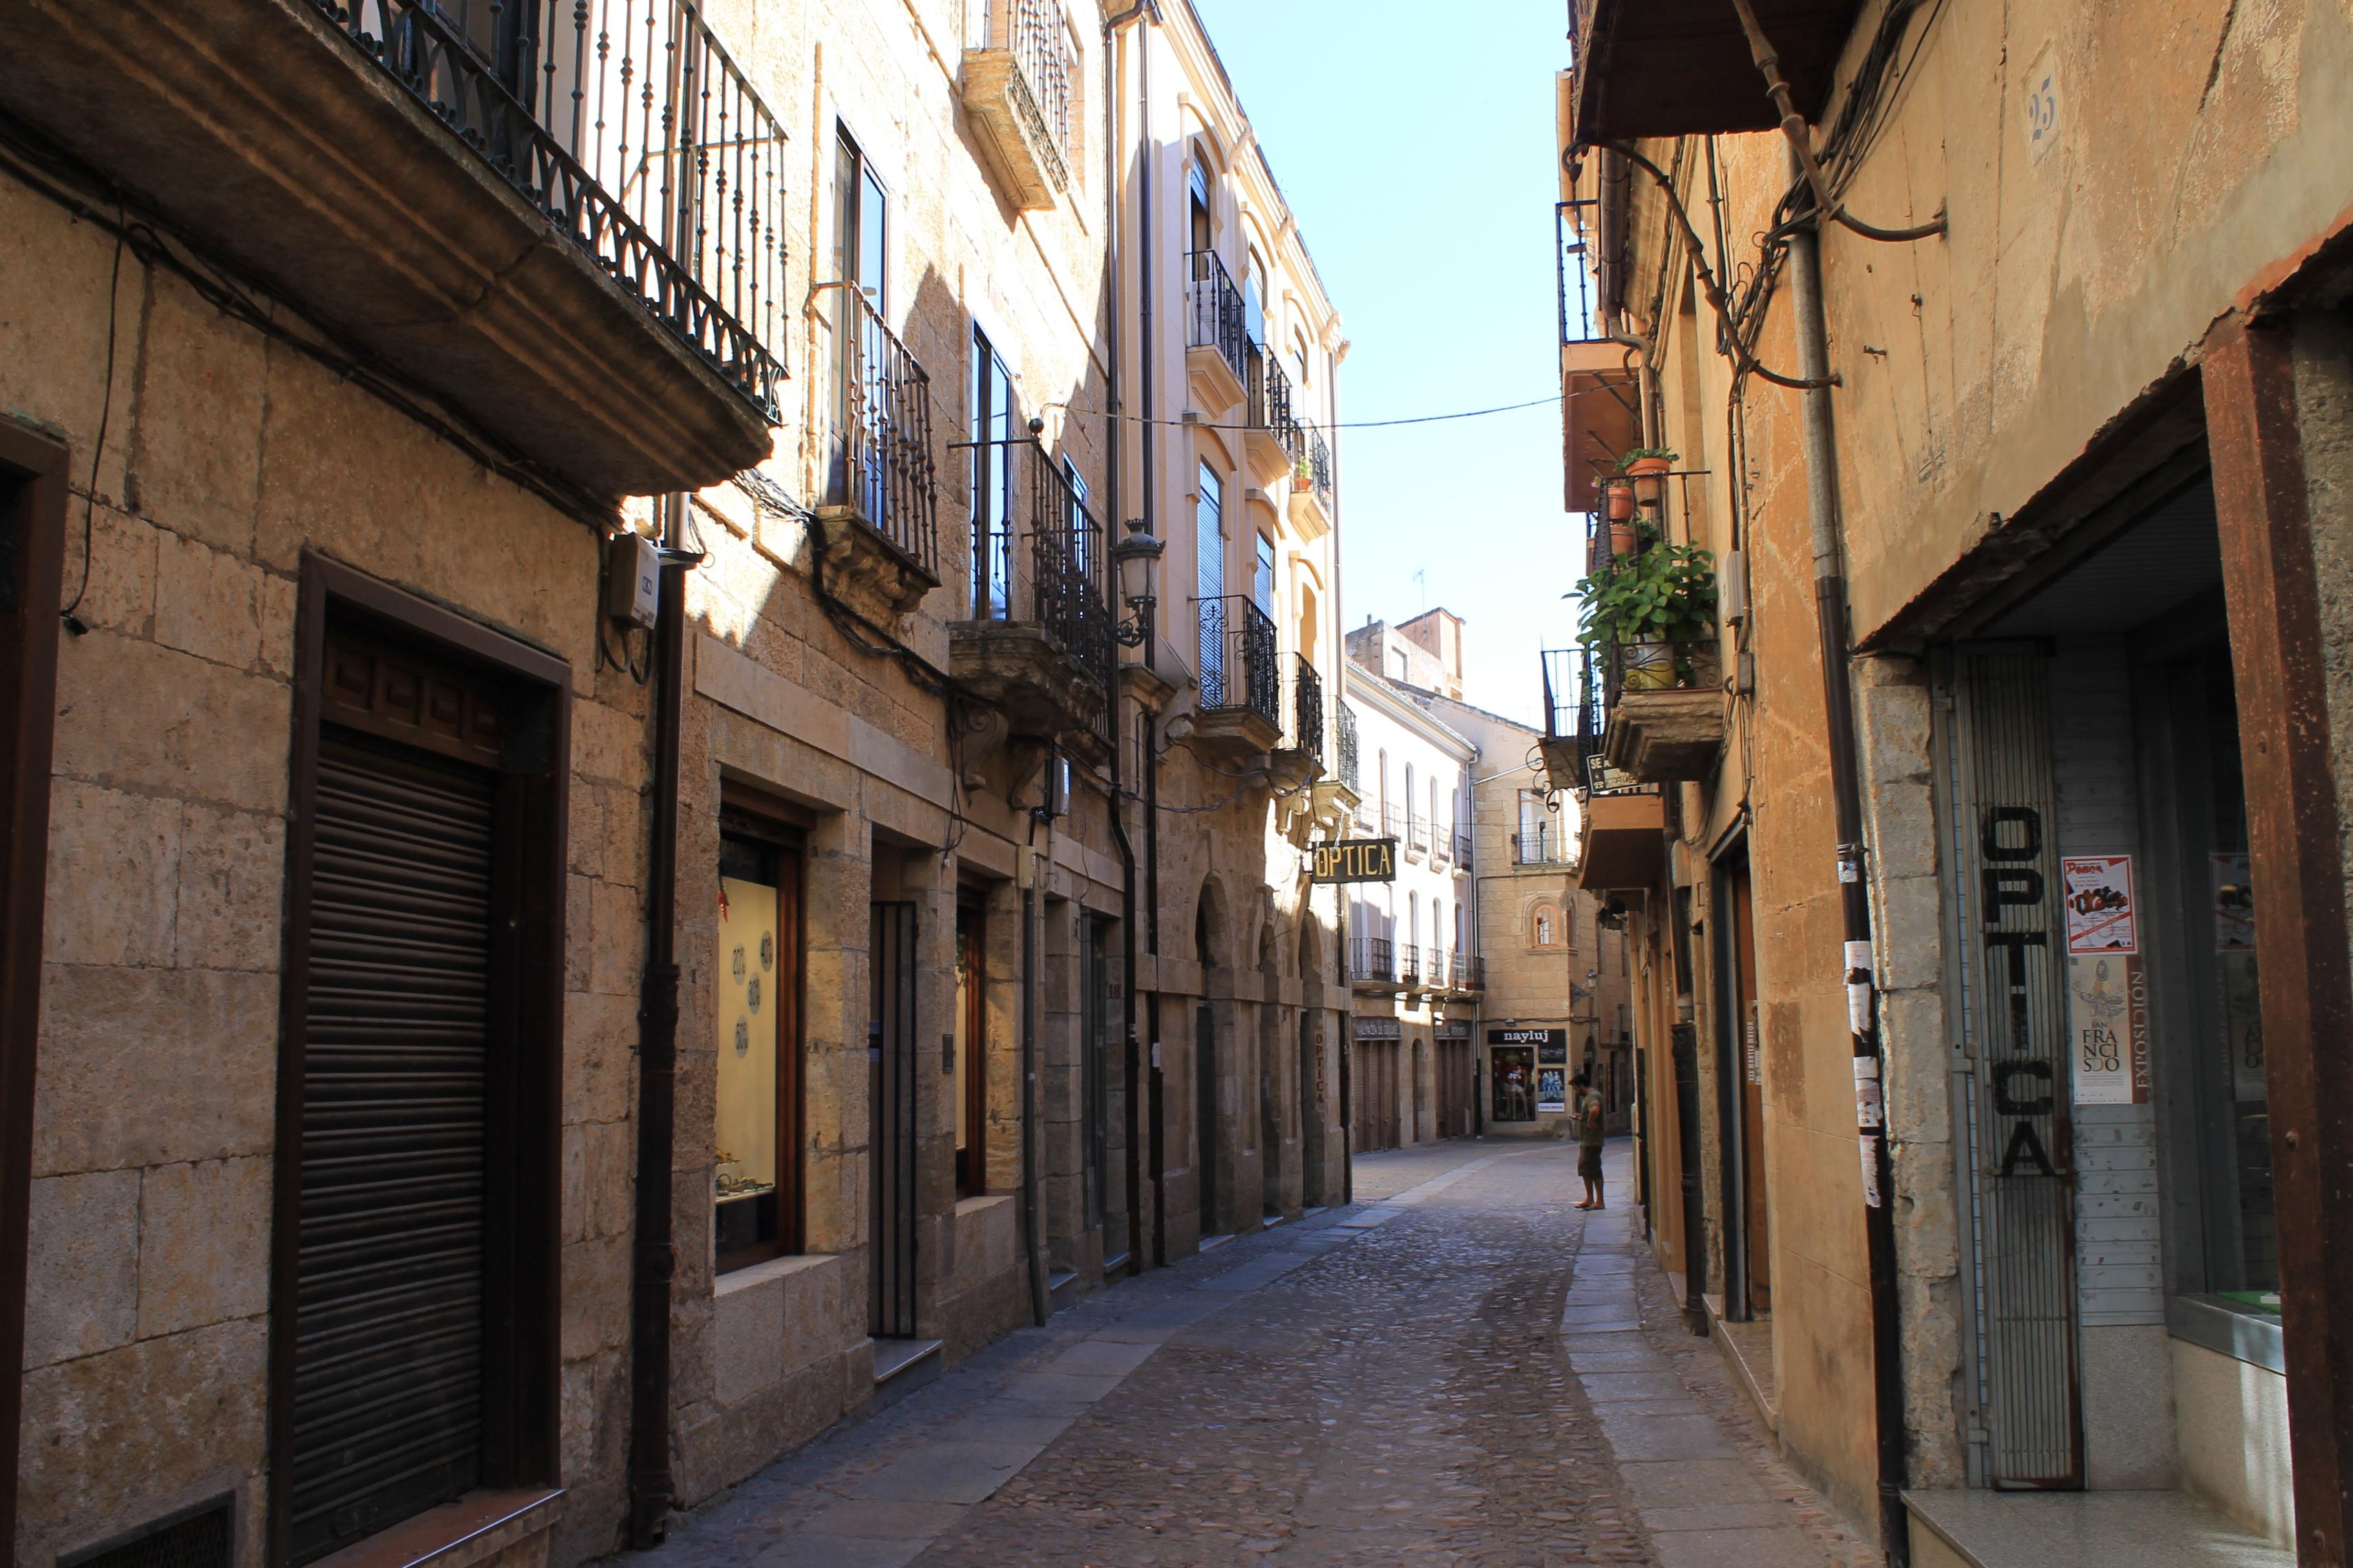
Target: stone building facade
(2037, 384)
(677, 776)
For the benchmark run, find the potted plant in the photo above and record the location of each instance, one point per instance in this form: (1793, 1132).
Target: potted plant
(1648, 467)
(1651, 607)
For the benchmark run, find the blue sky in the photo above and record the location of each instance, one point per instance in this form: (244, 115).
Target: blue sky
(1418, 159)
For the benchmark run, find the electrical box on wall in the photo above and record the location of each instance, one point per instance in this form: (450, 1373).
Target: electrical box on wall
(1732, 588)
(632, 579)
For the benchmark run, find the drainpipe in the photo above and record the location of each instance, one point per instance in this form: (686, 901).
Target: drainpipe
(1855, 890)
(652, 1488)
(1146, 217)
(1115, 446)
(1033, 1240)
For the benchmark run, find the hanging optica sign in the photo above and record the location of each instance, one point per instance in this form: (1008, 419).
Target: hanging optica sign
(1354, 860)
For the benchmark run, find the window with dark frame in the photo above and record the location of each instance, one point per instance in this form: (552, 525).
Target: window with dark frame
(757, 1180)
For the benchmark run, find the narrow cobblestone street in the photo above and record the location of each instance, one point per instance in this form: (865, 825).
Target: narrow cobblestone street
(1461, 1368)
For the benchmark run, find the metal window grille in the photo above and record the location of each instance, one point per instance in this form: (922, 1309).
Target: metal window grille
(203, 1536)
(1349, 766)
(2005, 908)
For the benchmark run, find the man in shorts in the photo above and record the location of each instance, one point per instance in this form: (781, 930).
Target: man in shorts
(1588, 1107)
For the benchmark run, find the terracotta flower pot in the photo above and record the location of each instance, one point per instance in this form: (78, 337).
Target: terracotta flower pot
(1622, 539)
(1649, 475)
(1621, 502)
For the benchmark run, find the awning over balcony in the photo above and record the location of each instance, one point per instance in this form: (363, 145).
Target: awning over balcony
(1599, 397)
(1683, 68)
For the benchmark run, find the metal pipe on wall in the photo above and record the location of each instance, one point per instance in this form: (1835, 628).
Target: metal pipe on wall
(1115, 443)
(652, 1488)
(1854, 889)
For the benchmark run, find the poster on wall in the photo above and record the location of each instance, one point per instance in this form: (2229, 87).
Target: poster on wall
(2107, 1016)
(2234, 904)
(2101, 914)
(1552, 1089)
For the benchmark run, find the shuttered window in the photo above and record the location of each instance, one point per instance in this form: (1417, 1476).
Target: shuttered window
(389, 1348)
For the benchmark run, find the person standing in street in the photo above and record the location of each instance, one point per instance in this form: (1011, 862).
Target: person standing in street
(1588, 1107)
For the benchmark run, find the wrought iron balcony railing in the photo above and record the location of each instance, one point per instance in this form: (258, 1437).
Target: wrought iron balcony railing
(1016, 80)
(1372, 958)
(1346, 722)
(1417, 831)
(1462, 846)
(1307, 707)
(1317, 465)
(1392, 821)
(1547, 844)
(1467, 971)
(1214, 310)
(627, 124)
(1574, 226)
(1240, 672)
(1690, 664)
(1038, 555)
(1409, 969)
(882, 466)
(1269, 390)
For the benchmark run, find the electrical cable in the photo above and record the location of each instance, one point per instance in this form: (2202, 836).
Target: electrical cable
(74, 623)
(63, 179)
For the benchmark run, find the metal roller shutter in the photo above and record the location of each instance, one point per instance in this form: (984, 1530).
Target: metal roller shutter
(388, 1359)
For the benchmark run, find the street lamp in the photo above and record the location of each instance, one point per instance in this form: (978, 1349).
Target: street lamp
(1138, 560)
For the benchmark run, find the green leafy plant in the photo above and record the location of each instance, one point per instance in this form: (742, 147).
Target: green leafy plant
(1664, 594)
(1639, 453)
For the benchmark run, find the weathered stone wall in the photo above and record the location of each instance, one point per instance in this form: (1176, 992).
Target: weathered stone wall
(226, 456)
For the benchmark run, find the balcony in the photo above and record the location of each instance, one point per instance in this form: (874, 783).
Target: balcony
(1300, 760)
(1665, 707)
(1683, 68)
(1036, 641)
(1417, 832)
(1462, 846)
(1372, 963)
(1600, 385)
(582, 256)
(1217, 337)
(1441, 842)
(1017, 86)
(1466, 974)
(1272, 443)
(1541, 844)
(1621, 842)
(1393, 822)
(880, 512)
(1311, 486)
(1348, 764)
(1409, 967)
(1241, 679)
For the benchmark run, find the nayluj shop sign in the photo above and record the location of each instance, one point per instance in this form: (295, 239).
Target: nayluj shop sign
(1355, 861)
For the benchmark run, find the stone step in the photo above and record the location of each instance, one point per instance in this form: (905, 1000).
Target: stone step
(902, 1366)
(1979, 1528)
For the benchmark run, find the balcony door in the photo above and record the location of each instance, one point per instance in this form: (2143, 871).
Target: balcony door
(996, 422)
(861, 233)
(1210, 586)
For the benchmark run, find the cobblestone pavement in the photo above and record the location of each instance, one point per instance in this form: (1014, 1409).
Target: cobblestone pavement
(1398, 1383)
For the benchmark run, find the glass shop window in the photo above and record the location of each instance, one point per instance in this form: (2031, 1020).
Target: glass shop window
(2241, 1236)
(757, 1180)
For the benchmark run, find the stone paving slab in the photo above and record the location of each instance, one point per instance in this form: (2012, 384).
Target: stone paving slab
(1386, 1386)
